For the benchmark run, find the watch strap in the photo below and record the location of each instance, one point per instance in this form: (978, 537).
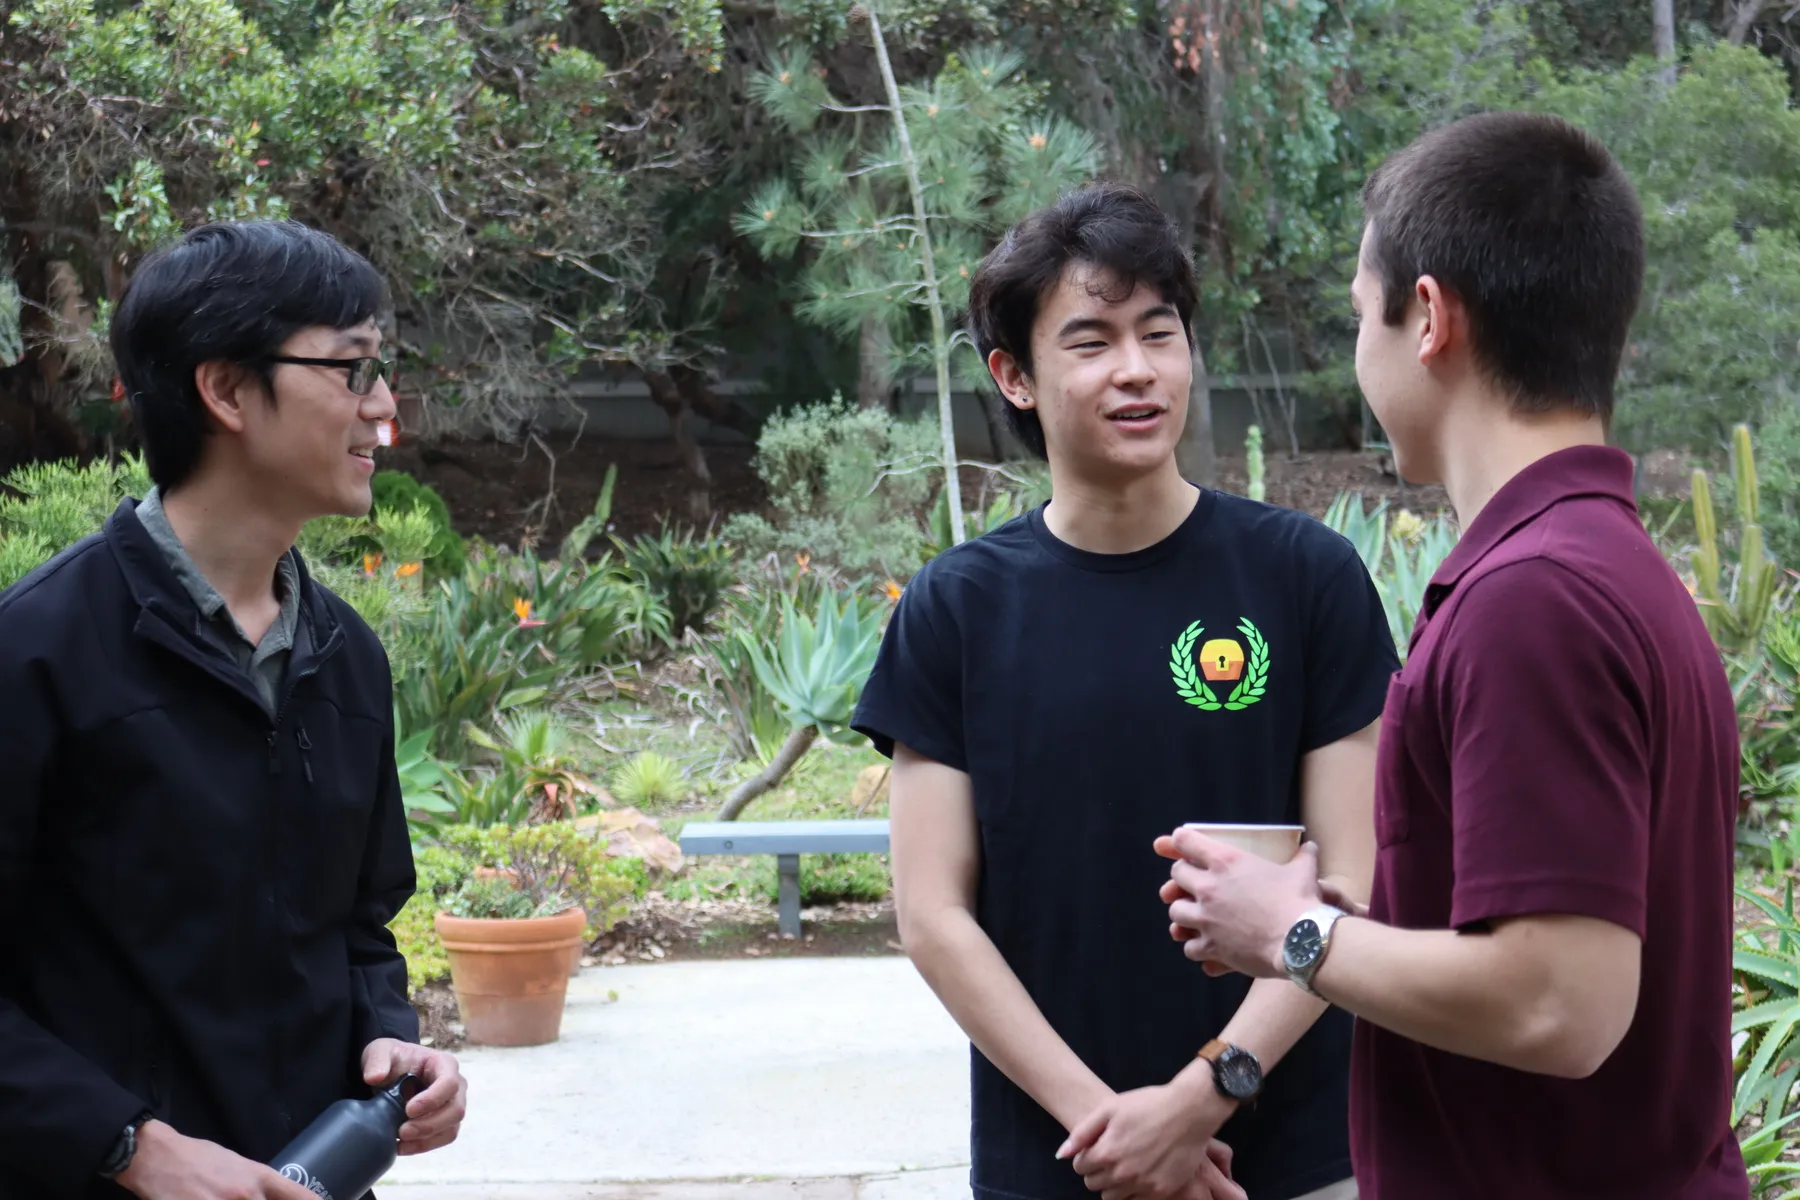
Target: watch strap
(1217, 1053)
(1324, 916)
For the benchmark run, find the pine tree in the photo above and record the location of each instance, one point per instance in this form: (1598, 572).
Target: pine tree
(893, 205)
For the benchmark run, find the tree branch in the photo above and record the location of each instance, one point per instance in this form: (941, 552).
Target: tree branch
(792, 750)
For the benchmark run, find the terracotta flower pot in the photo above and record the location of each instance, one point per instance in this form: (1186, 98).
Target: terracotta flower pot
(511, 977)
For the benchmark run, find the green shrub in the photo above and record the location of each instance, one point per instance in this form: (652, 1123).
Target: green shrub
(553, 860)
(440, 872)
(52, 505)
(688, 573)
(398, 492)
(555, 864)
(833, 878)
(1778, 467)
(512, 630)
(849, 488)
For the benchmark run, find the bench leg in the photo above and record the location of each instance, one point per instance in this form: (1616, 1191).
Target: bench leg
(789, 893)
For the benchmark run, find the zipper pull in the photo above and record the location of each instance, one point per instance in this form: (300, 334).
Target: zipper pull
(306, 746)
(274, 757)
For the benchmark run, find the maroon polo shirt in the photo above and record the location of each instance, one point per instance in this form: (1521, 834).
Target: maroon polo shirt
(1562, 739)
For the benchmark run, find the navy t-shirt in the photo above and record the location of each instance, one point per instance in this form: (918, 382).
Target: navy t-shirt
(1097, 701)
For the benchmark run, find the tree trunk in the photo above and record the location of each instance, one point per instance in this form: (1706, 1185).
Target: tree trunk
(1743, 19)
(720, 410)
(940, 335)
(1194, 453)
(1662, 13)
(672, 400)
(874, 358)
(792, 751)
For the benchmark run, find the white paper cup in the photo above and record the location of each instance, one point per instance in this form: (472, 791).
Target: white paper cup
(1277, 843)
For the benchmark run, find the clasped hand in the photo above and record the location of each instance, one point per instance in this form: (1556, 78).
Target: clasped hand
(1154, 1143)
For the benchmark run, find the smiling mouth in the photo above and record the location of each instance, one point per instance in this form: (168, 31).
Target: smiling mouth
(1139, 415)
(367, 452)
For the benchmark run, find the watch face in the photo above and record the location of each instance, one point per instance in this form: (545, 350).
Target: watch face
(1303, 944)
(1239, 1074)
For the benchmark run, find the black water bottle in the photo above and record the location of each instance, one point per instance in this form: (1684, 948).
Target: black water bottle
(349, 1148)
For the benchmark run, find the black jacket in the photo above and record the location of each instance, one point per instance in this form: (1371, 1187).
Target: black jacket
(194, 891)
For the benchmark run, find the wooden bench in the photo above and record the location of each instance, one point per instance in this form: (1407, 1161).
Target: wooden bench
(787, 841)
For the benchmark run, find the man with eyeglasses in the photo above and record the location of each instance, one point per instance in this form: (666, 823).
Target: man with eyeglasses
(202, 838)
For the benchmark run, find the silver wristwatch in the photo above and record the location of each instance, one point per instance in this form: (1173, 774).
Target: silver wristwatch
(1306, 943)
(118, 1159)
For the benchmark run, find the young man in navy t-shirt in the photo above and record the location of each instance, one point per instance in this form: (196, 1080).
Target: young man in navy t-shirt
(1543, 979)
(1137, 653)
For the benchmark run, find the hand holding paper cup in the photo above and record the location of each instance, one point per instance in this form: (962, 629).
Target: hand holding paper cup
(1277, 843)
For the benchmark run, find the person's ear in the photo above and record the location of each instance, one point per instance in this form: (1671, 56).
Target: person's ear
(226, 391)
(1012, 380)
(1443, 320)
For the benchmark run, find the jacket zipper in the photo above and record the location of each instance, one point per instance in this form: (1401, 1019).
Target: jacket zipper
(272, 867)
(163, 630)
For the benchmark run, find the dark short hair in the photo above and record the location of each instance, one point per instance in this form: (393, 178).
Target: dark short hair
(1530, 222)
(1109, 226)
(233, 292)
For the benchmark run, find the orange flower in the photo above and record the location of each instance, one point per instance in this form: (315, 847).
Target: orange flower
(891, 590)
(522, 608)
(408, 570)
(370, 562)
(805, 561)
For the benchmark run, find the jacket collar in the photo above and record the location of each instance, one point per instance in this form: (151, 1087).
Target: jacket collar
(1578, 471)
(159, 594)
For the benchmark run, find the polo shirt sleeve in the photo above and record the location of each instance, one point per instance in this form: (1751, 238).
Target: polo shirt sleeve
(914, 694)
(1350, 657)
(1542, 697)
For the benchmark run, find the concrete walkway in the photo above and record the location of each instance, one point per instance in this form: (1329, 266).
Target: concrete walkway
(799, 1078)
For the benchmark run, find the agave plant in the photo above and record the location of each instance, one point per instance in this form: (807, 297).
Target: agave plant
(1004, 508)
(1767, 969)
(815, 670)
(1401, 555)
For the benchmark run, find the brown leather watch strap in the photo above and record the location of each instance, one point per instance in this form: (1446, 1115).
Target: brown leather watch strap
(1211, 1051)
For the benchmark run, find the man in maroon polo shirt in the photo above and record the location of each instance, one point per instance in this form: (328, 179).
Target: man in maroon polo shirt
(1542, 980)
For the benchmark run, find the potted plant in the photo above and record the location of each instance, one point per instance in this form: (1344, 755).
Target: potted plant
(513, 927)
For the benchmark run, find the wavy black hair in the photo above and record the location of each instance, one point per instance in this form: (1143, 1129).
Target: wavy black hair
(1109, 226)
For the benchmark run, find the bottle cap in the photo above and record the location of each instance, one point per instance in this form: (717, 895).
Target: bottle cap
(402, 1090)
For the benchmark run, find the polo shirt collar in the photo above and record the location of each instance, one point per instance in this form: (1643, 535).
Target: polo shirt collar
(1577, 471)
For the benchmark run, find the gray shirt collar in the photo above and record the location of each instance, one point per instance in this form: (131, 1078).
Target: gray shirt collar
(280, 636)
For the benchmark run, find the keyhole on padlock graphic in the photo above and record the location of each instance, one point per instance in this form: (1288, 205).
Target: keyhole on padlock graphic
(1222, 665)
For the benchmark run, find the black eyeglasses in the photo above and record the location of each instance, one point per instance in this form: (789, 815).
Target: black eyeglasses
(362, 372)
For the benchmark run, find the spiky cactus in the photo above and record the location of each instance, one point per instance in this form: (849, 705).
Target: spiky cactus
(1734, 610)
